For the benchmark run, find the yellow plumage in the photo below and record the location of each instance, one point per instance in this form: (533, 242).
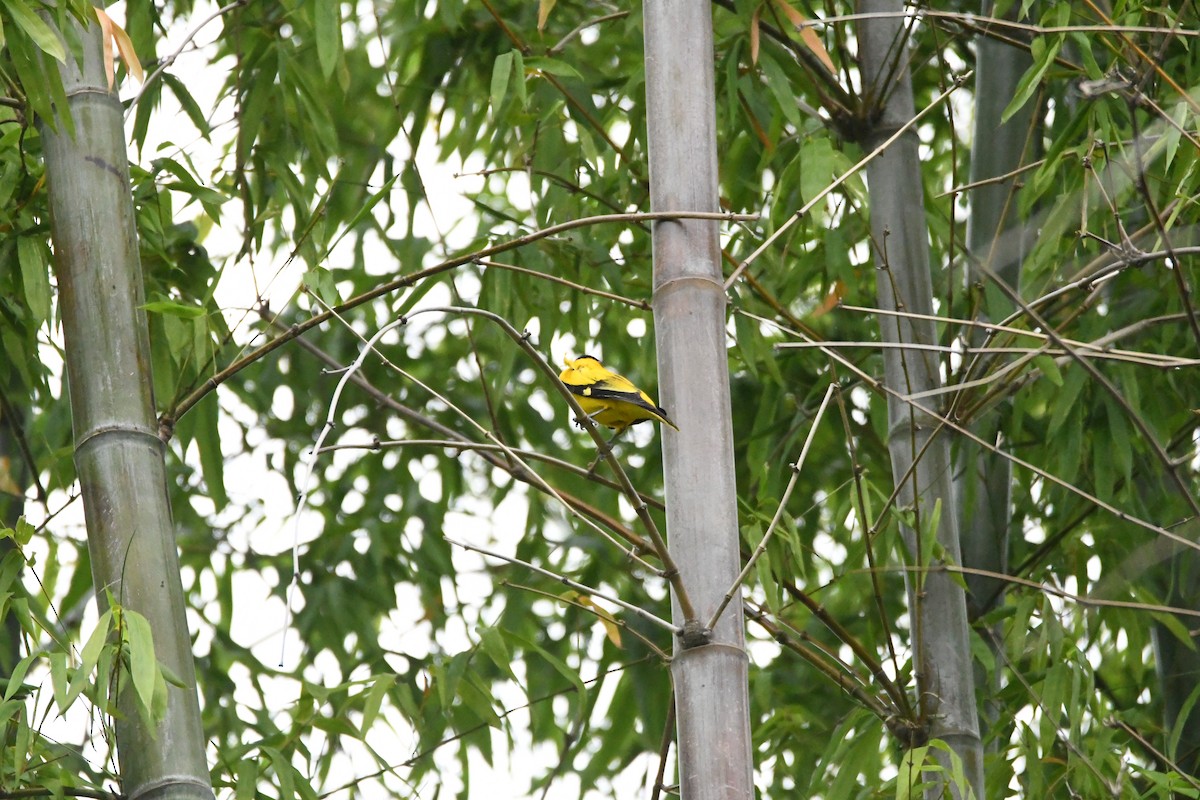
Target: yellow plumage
(610, 399)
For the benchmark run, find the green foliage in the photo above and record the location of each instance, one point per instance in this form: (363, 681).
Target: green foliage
(410, 663)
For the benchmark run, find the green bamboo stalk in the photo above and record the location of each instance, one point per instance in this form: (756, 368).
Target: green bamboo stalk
(118, 454)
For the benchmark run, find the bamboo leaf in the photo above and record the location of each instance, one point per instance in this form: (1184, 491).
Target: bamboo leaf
(17, 678)
(124, 45)
(173, 309)
(34, 277)
(551, 66)
(544, 9)
(807, 35)
(1049, 368)
(143, 667)
(501, 75)
(1043, 57)
(36, 29)
(328, 28)
(381, 685)
(187, 103)
(491, 641)
(89, 657)
(754, 33)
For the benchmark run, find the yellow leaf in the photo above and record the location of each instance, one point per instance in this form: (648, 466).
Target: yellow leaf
(832, 300)
(754, 33)
(807, 34)
(611, 629)
(7, 484)
(115, 34)
(106, 26)
(544, 9)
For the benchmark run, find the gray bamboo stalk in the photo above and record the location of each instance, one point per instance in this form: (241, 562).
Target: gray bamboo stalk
(995, 238)
(12, 506)
(709, 672)
(1176, 662)
(118, 454)
(943, 668)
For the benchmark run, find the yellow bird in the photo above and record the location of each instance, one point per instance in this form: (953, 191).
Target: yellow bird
(609, 398)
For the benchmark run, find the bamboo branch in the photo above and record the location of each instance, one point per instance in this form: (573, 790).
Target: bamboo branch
(565, 581)
(168, 419)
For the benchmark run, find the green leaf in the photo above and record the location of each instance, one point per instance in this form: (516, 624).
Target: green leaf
(501, 71)
(929, 540)
(551, 66)
(370, 203)
(34, 278)
(59, 678)
(519, 77)
(558, 664)
(36, 29)
(779, 85)
(1043, 56)
(415, 294)
(174, 309)
(1119, 427)
(284, 773)
(89, 657)
(22, 741)
(212, 459)
(320, 282)
(247, 779)
(1049, 368)
(329, 34)
(188, 103)
(143, 667)
(770, 587)
(374, 700)
(17, 678)
(491, 642)
(1065, 401)
(817, 170)
(910, 783)
(476, 695)
(24, 531)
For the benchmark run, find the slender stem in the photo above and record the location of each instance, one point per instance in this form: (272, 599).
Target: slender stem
(774, 524)
(630, 607)
(845, 176)
(167, 420)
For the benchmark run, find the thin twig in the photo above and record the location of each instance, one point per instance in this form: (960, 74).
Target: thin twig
(606, 617)
(168, 419)
(943, 421)
(583, 26)
(841, 675)
(310, 466)
(894, 691)
(774, 524)
(862, 162)
(1137, 419)
(999, 22)
(169, 60)
(1089, 350)
(522, 340)
(578, 287)
(630, 607)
